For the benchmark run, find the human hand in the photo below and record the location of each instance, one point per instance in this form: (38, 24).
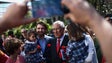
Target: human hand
(80, 11)
(15, 15)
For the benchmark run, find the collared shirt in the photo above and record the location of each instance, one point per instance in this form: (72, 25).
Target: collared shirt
(61, 39)
(73, 47)
(77, 51)
(42, 43)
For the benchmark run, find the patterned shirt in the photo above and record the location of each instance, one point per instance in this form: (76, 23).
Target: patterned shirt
(77, 51)
(36, 57)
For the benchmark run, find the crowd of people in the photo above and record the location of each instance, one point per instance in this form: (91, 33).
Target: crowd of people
(74, 46)
(37, 47)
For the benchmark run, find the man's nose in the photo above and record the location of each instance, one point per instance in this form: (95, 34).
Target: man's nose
(40, 29)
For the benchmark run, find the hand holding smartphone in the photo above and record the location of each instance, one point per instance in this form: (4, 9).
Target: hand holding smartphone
(47, 8)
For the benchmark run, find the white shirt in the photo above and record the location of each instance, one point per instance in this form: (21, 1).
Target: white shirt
(92, 57)
(61, 39)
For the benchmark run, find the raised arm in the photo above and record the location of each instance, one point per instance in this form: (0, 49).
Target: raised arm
(83, 13)
(15, 16)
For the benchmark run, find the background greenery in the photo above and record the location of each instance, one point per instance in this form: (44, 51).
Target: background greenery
(102, 6)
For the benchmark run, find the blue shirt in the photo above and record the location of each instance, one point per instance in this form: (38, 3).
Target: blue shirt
(42, 43)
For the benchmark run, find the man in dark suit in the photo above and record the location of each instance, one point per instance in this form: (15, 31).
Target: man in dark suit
(43, 41)
(58, 48)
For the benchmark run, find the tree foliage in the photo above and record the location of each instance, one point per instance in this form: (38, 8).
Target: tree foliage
(102, 6)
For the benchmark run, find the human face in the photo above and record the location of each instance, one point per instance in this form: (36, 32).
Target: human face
(40, 30)
(24, 33)
(32, 38)
(58, 30)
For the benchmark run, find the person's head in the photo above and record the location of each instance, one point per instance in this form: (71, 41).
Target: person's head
(58, 29)
(31, 35)
(75, 31)
(10, 34)
(3, 36)
(23, 32)
(41, 28)
(12, 46)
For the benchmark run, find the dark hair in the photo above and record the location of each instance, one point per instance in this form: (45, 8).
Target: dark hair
(30, 32)
(11, 33)
(12, 45)
(75, 31)
(43, 24)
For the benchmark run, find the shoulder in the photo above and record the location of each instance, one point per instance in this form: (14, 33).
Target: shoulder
(66, 38)
(88, 39)
(46, 36)
(66, 35)
(71, 42)
(28, 42)
(3, 57)
(87, 36)
(21, 59)
(9, 60)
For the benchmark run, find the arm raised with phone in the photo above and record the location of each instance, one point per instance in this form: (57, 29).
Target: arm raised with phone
(83, 13)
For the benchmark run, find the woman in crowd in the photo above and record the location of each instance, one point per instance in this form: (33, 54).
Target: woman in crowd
(13, 48)
(3, 57)
(15, 16)
(80, 46)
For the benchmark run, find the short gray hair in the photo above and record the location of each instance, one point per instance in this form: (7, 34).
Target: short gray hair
(61, 23)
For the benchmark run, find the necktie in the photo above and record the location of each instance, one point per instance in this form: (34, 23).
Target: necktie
(58, 45)
(58, 48)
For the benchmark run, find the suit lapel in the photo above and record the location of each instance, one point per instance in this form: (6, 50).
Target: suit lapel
(54, 46)
(64, 42)
(38, 42)
(46, 43)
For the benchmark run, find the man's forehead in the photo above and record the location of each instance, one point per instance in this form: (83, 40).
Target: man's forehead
(56, 26)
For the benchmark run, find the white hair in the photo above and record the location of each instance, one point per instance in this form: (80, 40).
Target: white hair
(61, 23)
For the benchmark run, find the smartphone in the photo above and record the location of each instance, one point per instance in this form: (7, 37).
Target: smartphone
(47, 8)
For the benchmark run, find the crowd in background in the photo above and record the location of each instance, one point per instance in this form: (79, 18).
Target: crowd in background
(76, 45)
(37, 46)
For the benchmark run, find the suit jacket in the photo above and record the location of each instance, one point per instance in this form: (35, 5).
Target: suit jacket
(46, 52)
(54, 55)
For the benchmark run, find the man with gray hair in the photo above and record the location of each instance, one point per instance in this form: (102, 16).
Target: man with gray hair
(58, 48)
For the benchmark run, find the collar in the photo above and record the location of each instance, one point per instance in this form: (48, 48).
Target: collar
(30, 42)
(42, 38)
(61, 39)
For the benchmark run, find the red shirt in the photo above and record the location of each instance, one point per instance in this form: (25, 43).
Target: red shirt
(20, 59)
(3, 57)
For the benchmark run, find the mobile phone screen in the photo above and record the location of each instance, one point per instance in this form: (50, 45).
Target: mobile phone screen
(46, 8)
